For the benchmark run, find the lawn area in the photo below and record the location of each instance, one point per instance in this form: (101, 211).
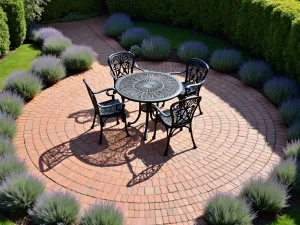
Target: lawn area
(4, 221)
(292, 218)
(177, 36)
(20, 59)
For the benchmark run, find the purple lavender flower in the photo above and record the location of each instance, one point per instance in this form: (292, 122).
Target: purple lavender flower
(156, 48)
(42, 34)
(192, 49)
(116, 24)
(134, 36)
(227, 60)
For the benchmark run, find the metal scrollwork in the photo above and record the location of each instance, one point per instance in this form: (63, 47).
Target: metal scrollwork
(121, 64)
(196, 71)
(182, 112)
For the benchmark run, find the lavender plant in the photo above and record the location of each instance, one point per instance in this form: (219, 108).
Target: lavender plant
(79, 58)
(11, 104)
(19, 192)
(55, 208)
(6, 146)
(289, 111)
(56, 45)
(102, 213)
(136, 50)
(116, 24)
(266, 196)
(255, 73)
(227, 60)
(280, 89)
(7, 126)
(39, 36)
(192, 49)
(134, 36)
(228, 210)
(24, 84)
(156, 48)
(294, 131)
(292, 150)
(10, 164)
(49, 69)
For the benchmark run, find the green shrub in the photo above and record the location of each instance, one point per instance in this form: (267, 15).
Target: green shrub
(4, 34)
(226, 60)
(292, 150)
(6, 146)
(116, 24)
(49, 69)
(11, 104)
(56, 9)
(134, 36)
(19, 192)
(136, 50)
(294, 131)
(266, 196)
(289, 111)
(192, 49)
(24, 84)
(156, 48)
(16, 20)
(7, 126)
(10, 164)
(280, 89)
(288, 173)
(79, 58)
(104, 213)
(255, 73)
(55, 208)
(56, 45)
(34, 9)
(227, 210)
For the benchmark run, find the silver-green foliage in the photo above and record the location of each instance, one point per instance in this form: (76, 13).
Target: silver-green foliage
(10, 164)
(294, 131)
(7, 126)
(156, 48)
(6, 146)
(227, 60)
(136, 50)
(289, 111)
(56, 45)
(292, 150)
(12, 104)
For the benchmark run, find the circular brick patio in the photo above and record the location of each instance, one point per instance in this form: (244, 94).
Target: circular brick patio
(239, 136)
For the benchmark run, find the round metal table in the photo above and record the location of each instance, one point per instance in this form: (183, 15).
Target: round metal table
(148, 87)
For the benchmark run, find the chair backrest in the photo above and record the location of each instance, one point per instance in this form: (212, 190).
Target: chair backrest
(121, 63)
(182, 112)
(92, 96)
(196, 70)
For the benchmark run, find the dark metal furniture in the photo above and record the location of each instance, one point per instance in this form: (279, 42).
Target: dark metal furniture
(107, 109)
(148, 87)
(180, 115)
(195, 74)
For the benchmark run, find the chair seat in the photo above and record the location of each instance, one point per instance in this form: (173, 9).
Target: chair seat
(167, 120)
(192, 91)
(116, 107)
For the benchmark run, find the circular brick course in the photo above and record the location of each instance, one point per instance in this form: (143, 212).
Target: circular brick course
(239, 136)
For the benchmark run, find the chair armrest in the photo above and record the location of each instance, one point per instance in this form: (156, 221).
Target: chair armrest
(195, 85)
(159, 110)
(175, 73)
(137, 67)
(105, 90)
(116, 104)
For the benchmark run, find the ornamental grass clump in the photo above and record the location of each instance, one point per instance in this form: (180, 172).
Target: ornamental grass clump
(7, 126)
(280, 89)
(156, 48)
(6, 146)
(56, 45)
(294, 131)
(55, 208)
(10, 164)
(19, 192)
(40, 35)
(288, 173)
(49, 69)
(266, 196)
(79, 58)
(134, 36)
(289, 111)
(11, 103)
(228, 210)
(24, 84)
(116, 24)
(136, 50)
(292, 150)
(103, 213)
(255, 73)
(192, 49)
(227, 60)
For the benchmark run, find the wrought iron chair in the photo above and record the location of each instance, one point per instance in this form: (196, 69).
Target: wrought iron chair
(107, 109)
(180, 115)
(195, 74)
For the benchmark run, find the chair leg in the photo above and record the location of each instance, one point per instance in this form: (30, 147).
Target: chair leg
(192, 136)
(200, 109)
(118, 122)
(168, 142)
(124, 118)
(101, 132)
(155, 124)
(92, 127)
(123, 99)
(163, 105)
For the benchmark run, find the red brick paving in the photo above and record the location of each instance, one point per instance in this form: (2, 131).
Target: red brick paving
(239, 136)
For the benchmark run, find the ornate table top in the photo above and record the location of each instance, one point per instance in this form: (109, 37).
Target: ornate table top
(149, 87)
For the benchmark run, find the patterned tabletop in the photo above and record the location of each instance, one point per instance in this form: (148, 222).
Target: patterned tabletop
(149, 87)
